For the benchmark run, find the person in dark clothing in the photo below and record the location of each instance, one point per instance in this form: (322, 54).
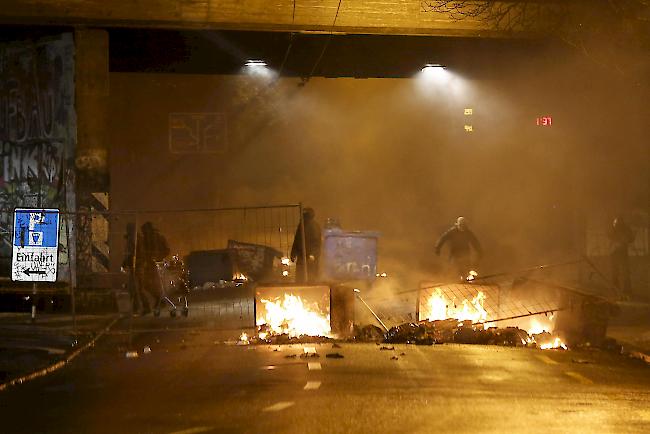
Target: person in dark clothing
(621, 236)
(312, 247)
(128, 267)
(461, 241)
(151, 248)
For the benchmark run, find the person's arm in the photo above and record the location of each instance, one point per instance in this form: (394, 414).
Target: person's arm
(442, 240)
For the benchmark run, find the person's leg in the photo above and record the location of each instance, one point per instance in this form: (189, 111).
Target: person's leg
(615, 270)
(625, 271)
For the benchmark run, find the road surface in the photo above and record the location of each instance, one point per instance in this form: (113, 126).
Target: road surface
(197, 381)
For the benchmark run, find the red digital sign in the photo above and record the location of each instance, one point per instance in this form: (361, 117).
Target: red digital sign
(545, 121)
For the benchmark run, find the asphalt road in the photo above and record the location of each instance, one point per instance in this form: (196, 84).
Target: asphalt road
(193, 382)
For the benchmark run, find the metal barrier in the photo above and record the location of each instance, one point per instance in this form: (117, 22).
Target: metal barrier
(97, 254)
(511, 298)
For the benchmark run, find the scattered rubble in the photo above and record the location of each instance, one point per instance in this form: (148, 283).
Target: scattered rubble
(309, 355)
(462, 332)
(369, 333)
(384, 348)
(334, 355)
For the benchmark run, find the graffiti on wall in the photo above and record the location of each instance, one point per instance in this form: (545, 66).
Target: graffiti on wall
(37, 131)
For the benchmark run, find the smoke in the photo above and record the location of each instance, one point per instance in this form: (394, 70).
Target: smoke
(393, 155)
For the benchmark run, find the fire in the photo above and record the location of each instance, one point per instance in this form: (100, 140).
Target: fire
(556, 343)
(292, 316)
(471, 276)
(539, 325)
(440, 308)
(240, 277)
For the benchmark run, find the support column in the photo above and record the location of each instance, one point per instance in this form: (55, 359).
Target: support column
(91, 163)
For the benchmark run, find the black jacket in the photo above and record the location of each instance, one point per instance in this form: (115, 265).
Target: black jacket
(460, 242)
(312, 240)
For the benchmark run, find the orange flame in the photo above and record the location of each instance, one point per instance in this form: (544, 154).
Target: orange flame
(440, 308)
(292, 316)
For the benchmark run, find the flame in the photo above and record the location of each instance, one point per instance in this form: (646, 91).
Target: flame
(285, 273)
(243, 339)
(539, 325)
(556, 343)
(440, 308)
(471, 276)
(285, 261)
(239, 276)
(290, 315)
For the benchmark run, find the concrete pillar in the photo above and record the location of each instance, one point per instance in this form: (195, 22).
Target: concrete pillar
(91, 162)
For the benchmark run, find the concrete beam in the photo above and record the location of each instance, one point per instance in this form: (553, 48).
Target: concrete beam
(405, 17)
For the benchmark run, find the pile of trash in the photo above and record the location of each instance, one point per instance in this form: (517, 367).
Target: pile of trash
(453, 331)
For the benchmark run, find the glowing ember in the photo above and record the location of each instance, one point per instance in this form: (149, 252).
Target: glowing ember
(556, 343)
(540, 325)
(471, 276)
(243, 339)
(285, 261)
(292, 316)
(440, 308)
(285, 273)
(240, 277)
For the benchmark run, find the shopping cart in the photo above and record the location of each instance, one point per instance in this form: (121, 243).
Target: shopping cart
(173, 286)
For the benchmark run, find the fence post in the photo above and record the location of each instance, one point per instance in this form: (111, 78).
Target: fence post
(73, 303)
(305, 273)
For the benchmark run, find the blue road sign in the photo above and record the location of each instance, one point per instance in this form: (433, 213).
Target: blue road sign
(35, 245)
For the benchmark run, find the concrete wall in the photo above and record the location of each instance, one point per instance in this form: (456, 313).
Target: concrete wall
(37, 133)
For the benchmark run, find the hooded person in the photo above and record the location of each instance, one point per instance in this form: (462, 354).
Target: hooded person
(461, 241)
(621, 236)
(312, 247)
(151, 247)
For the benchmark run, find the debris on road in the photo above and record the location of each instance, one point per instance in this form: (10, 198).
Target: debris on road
(465, 332)
(309, 355)
(334, 355)
(290, 356)
(384, 348)
(394, 358)
(369, 333)
(243, 339)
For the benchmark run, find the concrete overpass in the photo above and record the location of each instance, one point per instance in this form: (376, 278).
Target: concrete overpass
(403, 17)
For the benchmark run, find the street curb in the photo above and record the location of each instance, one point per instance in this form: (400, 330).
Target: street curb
(60, 364)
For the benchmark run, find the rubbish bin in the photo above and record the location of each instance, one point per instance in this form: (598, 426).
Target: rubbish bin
(349, 255)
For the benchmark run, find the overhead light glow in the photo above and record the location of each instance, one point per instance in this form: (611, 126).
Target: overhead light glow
(432, 67)
(255, 62)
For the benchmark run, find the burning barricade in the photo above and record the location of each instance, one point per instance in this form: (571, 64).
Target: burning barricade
(445, 317)
(285, 315)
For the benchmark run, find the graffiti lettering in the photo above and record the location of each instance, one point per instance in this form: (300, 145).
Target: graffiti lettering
(37, 128)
